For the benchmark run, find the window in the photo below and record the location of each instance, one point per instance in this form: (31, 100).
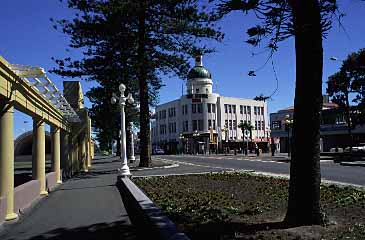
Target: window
(230, 124)
(163, 114)
(276, 125)
(206, 91)
(213, 108)
(255, 125)
(197, 90)
(209, 108)
(230, 108)
(234, 124)
(172, 112)
(234, 108)
(241, 122)
(185, 126)
(209, 123)
(200, 108)
(200, 125)
(262, 125)
(248, 109)
(241, 109)
(174, 127)
(259, 125)
(193, 108)
(163, 129)
(262, 110)
(213, 124)
(255, 110)
(225, 108)
(226, 123)
(195, 125)
(245, 109)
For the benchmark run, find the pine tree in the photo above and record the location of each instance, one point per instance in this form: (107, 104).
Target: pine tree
(308, 21)
(136, 42)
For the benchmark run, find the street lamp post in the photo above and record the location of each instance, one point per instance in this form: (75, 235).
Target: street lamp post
(195, 135)
(132, 158)
(288, 124)
(124, 170)
(225, 130)
(181, 137)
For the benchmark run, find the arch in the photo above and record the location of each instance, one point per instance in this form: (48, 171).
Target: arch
(23, 143)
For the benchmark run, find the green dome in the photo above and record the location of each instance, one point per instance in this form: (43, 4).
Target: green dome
(199, 72)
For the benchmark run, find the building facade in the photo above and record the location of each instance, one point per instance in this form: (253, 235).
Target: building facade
(334, 131)
(203, 121)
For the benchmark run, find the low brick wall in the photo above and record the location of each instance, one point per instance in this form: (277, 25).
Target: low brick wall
(51, 181)
(2, 209)
(25, 194)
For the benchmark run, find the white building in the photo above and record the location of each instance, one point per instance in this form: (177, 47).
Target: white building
(201, 119)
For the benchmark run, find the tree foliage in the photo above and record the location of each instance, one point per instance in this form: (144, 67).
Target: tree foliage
(136, 43)
(347, 88)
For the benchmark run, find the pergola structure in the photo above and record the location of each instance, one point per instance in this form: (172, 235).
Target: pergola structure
(29, 90)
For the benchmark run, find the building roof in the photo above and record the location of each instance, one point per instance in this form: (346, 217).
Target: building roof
(326, 105)
(199, 72)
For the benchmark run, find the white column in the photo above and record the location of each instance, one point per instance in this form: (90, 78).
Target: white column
(39, 154)
(124, 170)
(7, 159)
(56, 154)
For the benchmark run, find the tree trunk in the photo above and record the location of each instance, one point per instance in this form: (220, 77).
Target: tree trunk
(145, 141)
(118, 147)
(348, 120)
(305, 175)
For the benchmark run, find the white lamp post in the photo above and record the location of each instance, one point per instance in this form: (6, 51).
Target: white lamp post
(131, 155)
(124, 170)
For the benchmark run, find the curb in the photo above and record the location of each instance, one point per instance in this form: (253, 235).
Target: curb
(145, 215)
(352, 164)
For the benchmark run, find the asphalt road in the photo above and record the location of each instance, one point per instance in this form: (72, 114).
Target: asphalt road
(330, 171)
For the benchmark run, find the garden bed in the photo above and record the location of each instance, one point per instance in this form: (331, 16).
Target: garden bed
(247, 206)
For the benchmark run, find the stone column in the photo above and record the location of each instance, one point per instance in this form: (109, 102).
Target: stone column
(83, 153)
(89, 144)
(66, 163)
(56, 155)
(7, 159)
(39, 154)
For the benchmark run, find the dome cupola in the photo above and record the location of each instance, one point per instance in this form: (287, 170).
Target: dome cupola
(199, 71)
(199, 79)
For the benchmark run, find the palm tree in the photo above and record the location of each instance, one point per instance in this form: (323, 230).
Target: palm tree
(246, 126)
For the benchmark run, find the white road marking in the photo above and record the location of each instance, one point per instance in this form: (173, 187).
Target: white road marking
(253, 172)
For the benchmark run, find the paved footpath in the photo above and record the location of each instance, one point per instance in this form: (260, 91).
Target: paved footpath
(88, 206)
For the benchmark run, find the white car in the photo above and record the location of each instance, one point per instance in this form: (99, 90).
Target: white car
(360, 148)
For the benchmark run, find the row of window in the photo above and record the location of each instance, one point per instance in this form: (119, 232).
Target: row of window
(172, 112)
(198, 108)
(171, 128)
(198, 125)
(228, 108)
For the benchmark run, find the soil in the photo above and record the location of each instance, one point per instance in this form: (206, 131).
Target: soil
(246, 206)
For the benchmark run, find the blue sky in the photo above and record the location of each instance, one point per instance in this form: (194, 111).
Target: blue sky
(27, 38)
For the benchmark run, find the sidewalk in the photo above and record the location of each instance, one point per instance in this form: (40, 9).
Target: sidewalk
(88, 206)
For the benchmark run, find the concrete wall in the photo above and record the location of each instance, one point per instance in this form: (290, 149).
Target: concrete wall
(51, 181)
(2, 209)
(25, 194)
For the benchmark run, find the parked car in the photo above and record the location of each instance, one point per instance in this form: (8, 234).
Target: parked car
(158, 151)
(359, 148)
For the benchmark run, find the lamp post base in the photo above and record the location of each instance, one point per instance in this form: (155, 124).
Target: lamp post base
(132, 159)
(124, 171)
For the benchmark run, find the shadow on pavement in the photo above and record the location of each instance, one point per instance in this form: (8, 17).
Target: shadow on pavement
(115, 230)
